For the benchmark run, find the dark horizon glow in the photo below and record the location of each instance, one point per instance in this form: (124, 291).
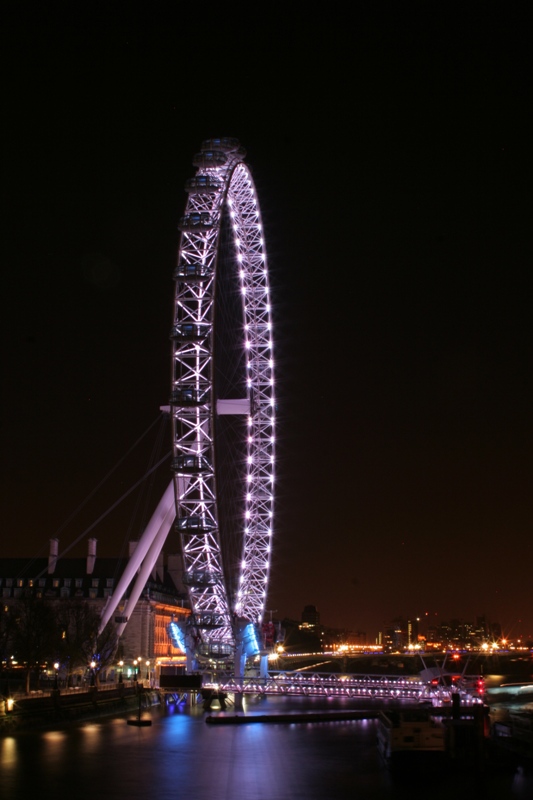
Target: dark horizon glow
(393, 165)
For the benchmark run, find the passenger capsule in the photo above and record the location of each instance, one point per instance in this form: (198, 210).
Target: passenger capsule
(190, 332)
(203, 184)
(207, 620)
(215, 650)
(226, 144)
(192, 273)
(200, 578)
(210, 159)
(196, 221)
(191, 465)
(183, 396)
(193, 525)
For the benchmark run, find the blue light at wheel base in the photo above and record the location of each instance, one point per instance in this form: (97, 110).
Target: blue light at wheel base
(176, 634)
(249, 640)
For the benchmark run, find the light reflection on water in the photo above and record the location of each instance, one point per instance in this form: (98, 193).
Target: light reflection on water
(8, 752)
(182, 757)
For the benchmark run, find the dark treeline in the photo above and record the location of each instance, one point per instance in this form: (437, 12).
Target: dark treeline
(35, 631)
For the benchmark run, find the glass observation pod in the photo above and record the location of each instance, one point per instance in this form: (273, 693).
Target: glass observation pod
(193, 525)
(189, 396)
(216, 650)
(209, 159)
(207, 620)
(192, 273)
(191, 465)
(203, 184)
(190, 332)
(227, 144)
(199, 578)
(196, 221)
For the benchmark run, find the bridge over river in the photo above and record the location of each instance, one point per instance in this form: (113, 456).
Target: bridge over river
(326, 685)
(303, 684)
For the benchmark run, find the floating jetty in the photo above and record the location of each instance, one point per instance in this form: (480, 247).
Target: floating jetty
(326, 716)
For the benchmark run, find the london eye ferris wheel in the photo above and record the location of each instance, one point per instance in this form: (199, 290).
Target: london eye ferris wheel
(221, 245)
(222, 188)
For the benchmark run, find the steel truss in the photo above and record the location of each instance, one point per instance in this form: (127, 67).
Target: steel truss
(223, 183)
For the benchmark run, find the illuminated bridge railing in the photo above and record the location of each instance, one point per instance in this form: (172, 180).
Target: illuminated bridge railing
(323, 684)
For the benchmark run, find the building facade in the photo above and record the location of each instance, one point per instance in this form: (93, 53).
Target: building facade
(93, 579)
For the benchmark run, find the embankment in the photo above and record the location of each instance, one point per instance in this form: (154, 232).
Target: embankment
(57, 710)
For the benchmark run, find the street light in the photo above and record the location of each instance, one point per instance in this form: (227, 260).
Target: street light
(147, 670)
(121, 670)
(56, 667)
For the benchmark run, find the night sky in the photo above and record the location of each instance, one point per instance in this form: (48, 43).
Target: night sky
(392, 157)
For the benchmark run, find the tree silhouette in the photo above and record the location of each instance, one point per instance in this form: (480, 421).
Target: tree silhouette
(78, 623)
(34, 636)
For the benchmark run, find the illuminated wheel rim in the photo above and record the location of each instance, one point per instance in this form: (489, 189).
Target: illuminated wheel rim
(222, 184)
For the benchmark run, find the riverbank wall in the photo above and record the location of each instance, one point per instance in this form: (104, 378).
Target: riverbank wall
(57, 710)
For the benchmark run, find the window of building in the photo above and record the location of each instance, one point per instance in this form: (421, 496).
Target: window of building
(20, 582)
(9, 582)
(109, 582)
(6, 592)
(67, 582)
(95, 583)
(65, 591)
(93, 593)
(79, 583)
(42, 582)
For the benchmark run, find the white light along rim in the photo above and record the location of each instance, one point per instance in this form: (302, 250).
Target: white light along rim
(222, 182)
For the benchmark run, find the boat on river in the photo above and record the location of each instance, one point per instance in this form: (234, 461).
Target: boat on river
(410, 732)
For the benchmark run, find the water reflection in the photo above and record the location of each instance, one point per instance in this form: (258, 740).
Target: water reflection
(8, 751)
(182, 757)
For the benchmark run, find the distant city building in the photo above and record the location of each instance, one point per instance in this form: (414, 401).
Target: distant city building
(311, 616)
(413, 631)
(452, 634)
(395, 637)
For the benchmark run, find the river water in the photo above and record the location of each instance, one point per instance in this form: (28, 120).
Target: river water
(180, 757)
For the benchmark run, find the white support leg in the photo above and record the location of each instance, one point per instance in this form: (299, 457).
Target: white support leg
(158, 523)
